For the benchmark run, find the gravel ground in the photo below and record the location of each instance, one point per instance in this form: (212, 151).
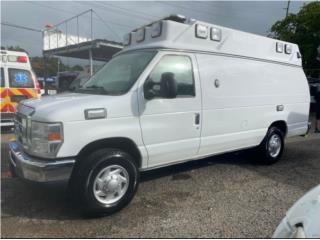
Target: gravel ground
(218, 197)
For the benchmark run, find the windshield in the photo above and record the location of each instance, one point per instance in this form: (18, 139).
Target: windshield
(118, 75)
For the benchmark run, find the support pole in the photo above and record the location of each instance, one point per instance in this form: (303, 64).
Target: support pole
(45, 73)
(91, 63)
(66, 34)
(78, 29)
(58, 70)
(91, 33)
(44, 64)
(287, 8)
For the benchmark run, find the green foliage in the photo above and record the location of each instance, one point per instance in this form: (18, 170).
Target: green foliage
(77, 68)
(303, 29)
(14, 48)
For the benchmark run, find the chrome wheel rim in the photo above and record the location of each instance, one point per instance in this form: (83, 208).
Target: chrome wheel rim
(111, 184)
(274, 145)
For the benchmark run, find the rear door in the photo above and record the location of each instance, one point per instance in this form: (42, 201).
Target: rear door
(171, 127)
(21, 85)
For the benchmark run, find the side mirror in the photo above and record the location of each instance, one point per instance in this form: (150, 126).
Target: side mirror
(148, 90)
(167, 88)
(168, 85)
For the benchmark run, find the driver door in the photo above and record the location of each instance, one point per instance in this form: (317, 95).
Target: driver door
(171, 127)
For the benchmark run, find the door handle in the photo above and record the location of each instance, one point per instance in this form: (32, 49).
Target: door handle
(197, 118)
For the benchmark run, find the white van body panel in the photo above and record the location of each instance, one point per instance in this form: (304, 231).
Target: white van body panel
(6, 64)
(177, 35)
(4, 54)
(238, 113)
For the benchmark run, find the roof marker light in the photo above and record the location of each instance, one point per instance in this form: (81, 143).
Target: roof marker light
(288, 49)
(215, 34)
(140, 34)
(127, 39)
(156, 29)
(201, 31)
(279, 47)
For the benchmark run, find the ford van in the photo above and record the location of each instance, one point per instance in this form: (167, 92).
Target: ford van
(180, 90)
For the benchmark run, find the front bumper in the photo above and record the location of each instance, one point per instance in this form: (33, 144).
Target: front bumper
(38, 170)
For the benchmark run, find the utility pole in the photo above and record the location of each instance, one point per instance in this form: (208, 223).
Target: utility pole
(58, 67)
(45, 74)
(287, 8)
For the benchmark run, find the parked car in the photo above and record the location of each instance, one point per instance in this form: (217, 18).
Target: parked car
(50, 83)
(303, 218)
(180, 90)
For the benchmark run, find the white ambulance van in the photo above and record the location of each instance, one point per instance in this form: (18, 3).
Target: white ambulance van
(18, 82)
(180, 90)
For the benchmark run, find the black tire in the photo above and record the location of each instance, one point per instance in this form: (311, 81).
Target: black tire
(81, 184)
(263, 153)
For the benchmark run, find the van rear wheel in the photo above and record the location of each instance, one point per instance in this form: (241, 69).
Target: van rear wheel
(104, 182)
(272, 146)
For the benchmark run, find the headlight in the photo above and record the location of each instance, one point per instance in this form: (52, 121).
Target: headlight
(46, 139)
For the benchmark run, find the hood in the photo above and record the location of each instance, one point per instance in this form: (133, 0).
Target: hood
(71, 106)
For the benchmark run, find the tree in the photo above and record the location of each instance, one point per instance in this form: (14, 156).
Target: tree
(303, 29)
(14, 48)
(77, 68)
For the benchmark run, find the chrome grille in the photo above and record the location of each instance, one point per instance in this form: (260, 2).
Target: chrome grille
(22, 124)
(21, 128)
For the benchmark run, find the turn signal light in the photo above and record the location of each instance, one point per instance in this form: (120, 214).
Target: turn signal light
(54, 137)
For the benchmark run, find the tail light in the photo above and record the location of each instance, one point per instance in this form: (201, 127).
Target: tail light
(37, 84)
(22, 59)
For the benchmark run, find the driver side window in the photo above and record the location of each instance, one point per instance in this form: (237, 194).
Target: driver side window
(173, 66)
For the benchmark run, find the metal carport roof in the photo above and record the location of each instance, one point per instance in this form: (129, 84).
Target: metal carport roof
(101, 50)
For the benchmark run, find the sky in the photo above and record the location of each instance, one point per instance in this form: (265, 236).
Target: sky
(112, 20)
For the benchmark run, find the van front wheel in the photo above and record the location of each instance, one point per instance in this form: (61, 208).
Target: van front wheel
(271, 148)
(105, 182)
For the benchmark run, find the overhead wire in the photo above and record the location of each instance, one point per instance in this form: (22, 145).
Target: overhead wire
(130, 10)
(103, 6)
(184, 7)
(71, 12)
(97, 17)
(20, 27)
(107, 25)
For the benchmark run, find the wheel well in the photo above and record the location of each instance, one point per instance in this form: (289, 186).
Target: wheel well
(282, 125)
(124, 144)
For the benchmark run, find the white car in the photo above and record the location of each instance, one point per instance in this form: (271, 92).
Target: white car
(180, 90)
(303, 218)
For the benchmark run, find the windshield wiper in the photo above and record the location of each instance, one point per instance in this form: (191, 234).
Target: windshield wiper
(94, 87)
